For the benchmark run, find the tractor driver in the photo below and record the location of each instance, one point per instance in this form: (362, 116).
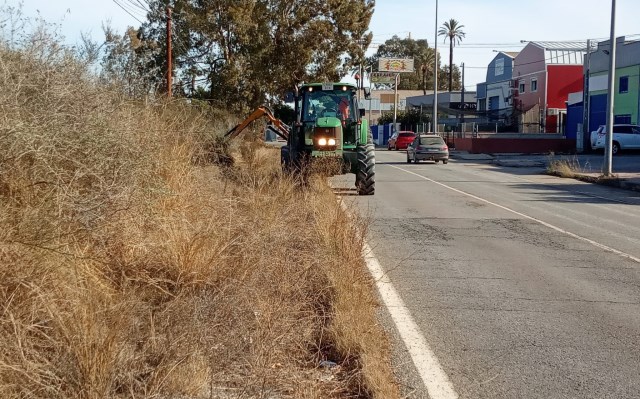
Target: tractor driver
(343, 108)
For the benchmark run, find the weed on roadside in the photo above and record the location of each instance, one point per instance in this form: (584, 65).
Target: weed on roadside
(142, 256)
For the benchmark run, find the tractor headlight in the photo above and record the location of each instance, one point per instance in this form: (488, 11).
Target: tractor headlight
(332, 141)
(322, 142)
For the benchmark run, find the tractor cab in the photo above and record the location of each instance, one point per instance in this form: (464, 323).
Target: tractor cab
(329, 117)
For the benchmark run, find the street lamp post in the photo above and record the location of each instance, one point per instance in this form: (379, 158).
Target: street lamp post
(435, 76)
(611, 95)
(395, 104)
(370, 97)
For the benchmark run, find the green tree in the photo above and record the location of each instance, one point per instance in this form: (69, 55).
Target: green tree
(248, 52)
(407, 119)
(451, 30)
(419, 51)
(130, 62)
(443, 78)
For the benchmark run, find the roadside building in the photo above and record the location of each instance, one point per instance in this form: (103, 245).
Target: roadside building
(496, 93)
(544, 74)
(454, 108)
(383, 100)
(627, 83)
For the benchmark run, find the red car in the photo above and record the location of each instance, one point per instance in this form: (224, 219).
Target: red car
(401, 140)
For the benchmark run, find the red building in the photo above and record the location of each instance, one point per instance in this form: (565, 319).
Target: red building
(544, 74)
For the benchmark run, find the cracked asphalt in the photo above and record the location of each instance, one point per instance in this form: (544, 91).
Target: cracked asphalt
(512, 307)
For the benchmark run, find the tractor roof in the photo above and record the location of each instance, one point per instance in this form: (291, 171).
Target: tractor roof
(341, 84)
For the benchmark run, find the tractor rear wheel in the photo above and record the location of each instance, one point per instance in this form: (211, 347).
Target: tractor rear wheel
(366, 173)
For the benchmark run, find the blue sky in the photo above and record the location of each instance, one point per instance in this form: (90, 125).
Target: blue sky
(489, 24)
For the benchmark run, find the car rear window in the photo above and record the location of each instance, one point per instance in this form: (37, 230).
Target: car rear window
(431, 140)
(407, 135)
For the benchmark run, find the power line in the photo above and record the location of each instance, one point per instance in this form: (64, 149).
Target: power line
(127, 11)
(525, 63)
(130, 8)
(143, 3)
(137, 5)
(521, 43)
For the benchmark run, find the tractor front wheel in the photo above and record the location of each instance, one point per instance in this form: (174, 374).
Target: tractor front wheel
(366, 173)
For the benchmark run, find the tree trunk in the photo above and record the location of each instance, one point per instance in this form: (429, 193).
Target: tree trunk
(424, 81)
(450, 65)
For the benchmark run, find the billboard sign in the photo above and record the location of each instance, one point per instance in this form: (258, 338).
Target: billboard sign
(383, 77)
(398, 65)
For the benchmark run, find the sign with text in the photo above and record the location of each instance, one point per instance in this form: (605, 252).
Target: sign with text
(399, 65)
(464, 106)
(383, 77)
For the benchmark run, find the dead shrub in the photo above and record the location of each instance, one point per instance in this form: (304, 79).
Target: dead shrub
(133, 265)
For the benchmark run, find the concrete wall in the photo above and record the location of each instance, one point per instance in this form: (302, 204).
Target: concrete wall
(514, 145)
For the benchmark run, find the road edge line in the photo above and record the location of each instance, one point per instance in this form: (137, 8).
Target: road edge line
(428, 366)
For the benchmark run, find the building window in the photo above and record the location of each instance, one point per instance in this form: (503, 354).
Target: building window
(624, 84)
(499, 67)
(534, 85)
(622, 119)
(482, 104)
(521, 87)
(494, 103)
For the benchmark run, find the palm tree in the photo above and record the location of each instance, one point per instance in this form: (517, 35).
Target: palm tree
(426, 64)
(451, 30)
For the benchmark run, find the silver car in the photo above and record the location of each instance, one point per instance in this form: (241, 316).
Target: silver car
(428, 147)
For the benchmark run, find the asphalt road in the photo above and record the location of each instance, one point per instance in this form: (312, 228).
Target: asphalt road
(523, 285)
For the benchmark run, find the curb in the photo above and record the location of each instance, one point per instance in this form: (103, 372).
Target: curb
(604, 181)
(519, 164)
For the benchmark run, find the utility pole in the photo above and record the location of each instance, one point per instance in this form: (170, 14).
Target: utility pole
(586, 99)
(169, 61)
(462, 98)
(435, 77)
(611, 95)
(395, 102)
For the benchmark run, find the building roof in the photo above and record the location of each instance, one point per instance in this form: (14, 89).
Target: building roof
(444, 97)
(512, 54)
(563, 52)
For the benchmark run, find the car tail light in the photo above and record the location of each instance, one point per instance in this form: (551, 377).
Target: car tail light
(444, 148)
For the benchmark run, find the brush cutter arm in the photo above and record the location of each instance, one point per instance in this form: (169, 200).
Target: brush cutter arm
(275, 125)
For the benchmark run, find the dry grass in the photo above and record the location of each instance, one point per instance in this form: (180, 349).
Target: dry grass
(137, 260)
(569, 168)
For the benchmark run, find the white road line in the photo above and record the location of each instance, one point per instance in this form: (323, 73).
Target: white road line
(433, 376)
(570, 234)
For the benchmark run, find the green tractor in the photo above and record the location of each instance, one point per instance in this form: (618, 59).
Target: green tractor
(330, 124)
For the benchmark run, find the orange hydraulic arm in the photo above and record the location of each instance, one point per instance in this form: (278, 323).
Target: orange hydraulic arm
(275, 124)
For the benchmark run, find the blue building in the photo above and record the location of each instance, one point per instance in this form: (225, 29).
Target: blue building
(495, 95)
